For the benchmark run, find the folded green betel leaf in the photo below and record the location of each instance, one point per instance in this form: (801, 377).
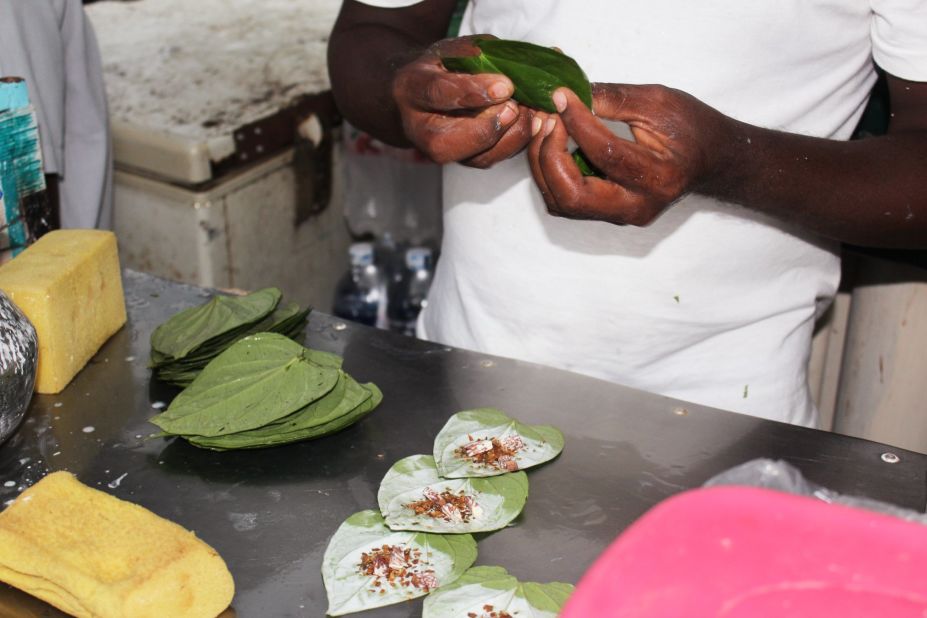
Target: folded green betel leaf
(536, 72)
(266, 390)
(186, 342)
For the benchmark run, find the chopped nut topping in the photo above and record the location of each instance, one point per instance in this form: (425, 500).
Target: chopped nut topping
(455, 508)
(394, 565)
(488, 612)
(492, 452)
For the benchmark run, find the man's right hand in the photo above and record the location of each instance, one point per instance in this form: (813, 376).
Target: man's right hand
(457, 117)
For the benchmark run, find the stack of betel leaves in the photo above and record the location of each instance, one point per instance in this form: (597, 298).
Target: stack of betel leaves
(419, 542)
(266, 390)
(183, 345)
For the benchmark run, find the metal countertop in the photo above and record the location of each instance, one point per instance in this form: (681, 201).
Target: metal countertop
(271, 512)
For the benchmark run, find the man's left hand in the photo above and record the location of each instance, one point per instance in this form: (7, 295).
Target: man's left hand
(678, 147)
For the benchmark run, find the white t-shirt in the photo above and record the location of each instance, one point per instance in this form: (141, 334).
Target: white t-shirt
(712, 303)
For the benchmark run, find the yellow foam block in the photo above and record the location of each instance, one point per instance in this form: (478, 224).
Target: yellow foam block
(91, 554)
(68, 285)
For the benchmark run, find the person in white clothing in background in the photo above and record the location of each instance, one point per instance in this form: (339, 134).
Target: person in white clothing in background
(697, 266)
(51, 44)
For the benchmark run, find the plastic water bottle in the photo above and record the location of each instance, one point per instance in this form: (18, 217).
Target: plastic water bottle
(361, 293)
(413, 291)
(388, 255)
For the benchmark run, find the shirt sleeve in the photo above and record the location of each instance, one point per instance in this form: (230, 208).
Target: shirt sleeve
(390, 4)
(899, 37)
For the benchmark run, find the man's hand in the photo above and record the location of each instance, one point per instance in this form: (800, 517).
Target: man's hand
(676, 151)
(456, 117)
(865, 192)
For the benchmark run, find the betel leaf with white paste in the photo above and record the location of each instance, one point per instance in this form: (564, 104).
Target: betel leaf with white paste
(486, 591)
(367, 565)
(413, 497)
(486, 442)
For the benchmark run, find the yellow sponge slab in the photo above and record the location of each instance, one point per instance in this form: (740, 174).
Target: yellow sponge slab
(68, 284)
(90, 554)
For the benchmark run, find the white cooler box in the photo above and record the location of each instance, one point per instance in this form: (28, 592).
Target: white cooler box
(226, 167)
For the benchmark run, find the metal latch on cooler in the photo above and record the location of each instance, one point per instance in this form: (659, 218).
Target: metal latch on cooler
(307, 127)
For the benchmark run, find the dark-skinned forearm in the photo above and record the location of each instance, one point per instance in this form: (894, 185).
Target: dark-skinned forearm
(361, 81)
(866, 192)
(366, 48)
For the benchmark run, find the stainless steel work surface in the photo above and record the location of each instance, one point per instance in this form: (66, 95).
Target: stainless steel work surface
(271, 512)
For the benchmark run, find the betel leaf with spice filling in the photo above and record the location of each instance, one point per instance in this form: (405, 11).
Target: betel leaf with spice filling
(487, 442)
(413, 497)
(367, 565)
(486, 591)
(536, 72)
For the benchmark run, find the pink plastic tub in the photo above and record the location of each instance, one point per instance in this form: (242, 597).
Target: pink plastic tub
(750, 553)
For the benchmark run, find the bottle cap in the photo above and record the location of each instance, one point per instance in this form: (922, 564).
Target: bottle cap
(361, 254)
(418, 258)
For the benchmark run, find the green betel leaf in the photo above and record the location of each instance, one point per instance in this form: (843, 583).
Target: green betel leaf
(536, 71)
(413, 497)
(332, 413)
(191, 328)
(470, 64)
(289, 321)
(586, 167)
(256, 381)
(486, 442)
(367, 565)
(333, 404)
(199, 334)
(486, 589)
(286, 437)
(326, 359)
(333, 426)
